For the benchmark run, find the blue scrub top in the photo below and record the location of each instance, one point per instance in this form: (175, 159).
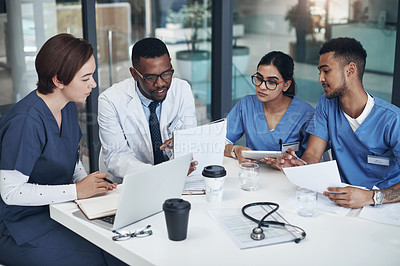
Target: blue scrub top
(31, 142)
(247, 117)
(378, 135)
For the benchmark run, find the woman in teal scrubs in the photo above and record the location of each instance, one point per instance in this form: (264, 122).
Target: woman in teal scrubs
(39, 161)
(273, 119)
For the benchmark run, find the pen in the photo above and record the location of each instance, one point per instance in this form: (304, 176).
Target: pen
(108, 180)
(295, 156)
(170, 145)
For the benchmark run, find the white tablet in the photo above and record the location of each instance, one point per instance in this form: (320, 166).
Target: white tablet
(258, 155)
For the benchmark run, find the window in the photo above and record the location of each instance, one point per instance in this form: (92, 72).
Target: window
(272, 25)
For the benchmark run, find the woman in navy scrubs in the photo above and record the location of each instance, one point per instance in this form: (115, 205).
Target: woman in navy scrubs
(40, 165)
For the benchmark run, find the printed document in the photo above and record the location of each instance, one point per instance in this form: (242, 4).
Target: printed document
(239, 227)
(206, 143)
(317, 177)
(386, 213)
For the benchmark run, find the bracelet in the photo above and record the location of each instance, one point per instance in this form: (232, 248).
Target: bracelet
(233, 154)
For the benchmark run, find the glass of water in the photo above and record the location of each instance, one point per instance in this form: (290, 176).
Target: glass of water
(248, 176)
(306, 204)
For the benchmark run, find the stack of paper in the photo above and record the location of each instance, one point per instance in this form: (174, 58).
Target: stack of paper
(386, 213)
(194, 185)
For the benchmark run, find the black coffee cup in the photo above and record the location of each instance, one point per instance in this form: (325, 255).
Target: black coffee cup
(177, 216)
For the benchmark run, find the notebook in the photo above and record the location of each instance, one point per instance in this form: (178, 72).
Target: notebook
(144, 192)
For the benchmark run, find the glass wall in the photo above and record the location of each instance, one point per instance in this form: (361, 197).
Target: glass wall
(274, 25)
(23, 30)
(26, 26)
(185, 27)
(186, 30)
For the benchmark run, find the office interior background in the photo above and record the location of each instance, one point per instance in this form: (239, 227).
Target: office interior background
(214, 45)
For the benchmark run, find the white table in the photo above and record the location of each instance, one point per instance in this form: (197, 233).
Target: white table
(331, 239)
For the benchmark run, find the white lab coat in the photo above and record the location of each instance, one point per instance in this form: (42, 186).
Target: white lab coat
(124, 129)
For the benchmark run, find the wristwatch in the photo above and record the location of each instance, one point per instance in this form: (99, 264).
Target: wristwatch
(378, 197)
(233, 154)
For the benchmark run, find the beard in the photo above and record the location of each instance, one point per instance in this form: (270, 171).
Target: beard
(339, 91)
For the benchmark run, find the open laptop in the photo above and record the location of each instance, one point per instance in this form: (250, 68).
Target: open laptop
(144, 192)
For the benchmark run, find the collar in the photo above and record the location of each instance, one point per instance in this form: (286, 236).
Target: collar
(144, 100)
(367, 109)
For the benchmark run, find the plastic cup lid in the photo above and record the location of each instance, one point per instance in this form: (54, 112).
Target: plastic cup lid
(214, 171)
(176, 204)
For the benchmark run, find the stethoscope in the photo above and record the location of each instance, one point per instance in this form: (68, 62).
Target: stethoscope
(258, 232)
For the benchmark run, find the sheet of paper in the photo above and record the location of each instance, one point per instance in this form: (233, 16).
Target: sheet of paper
(386, 213)
(317, 177)
(194, 185)
(239, 227)
(325, 204)
(206, 143)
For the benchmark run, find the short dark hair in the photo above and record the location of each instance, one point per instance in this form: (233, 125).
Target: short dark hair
(347, 50)
(285, 65)
(63, 56)
(148, 48)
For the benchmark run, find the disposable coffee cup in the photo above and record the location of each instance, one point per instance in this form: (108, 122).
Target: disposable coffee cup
(176, 216)
(214, 179)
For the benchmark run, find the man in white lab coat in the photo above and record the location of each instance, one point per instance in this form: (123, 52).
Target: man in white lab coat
(125, 111)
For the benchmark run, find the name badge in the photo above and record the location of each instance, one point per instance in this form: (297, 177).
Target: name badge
(294, 146)
(372, 159)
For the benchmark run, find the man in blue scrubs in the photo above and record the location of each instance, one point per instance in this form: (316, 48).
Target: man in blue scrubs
(362, 130)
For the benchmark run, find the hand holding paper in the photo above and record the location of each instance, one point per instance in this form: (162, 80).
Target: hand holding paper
(317, 177)
(350, 196)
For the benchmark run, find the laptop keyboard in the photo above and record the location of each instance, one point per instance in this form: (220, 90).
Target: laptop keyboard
(108, 219)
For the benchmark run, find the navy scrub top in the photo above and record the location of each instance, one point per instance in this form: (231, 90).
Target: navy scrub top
(31, 143)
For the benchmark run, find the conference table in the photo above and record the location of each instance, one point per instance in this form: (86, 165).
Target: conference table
(331, 239)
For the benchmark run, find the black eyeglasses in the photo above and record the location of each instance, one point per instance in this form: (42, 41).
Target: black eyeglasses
(141, 232)
(152, 78)
(270, 84)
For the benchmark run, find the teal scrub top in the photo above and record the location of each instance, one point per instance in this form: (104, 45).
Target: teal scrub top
(247, 117)
(377, 137)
